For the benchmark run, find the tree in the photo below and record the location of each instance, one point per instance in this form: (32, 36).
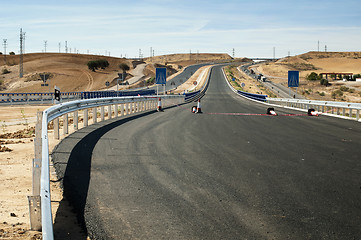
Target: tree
(102, 63)
(11, 53)
(356, 76)
(313, 76)
(92, 65)
(124, 67)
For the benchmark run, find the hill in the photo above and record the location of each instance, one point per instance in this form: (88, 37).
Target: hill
(319, 62)
(70, 72)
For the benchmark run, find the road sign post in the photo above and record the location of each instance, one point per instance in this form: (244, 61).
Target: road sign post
(293, 80)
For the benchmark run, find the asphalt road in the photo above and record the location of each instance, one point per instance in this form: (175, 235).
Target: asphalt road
(181, 78)
(178, 175)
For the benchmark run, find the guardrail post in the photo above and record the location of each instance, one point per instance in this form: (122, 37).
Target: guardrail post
(56, 128)
(34, 200)
(332, 110)
(116, 109)
(343, 111)
(95, 115)
(338, 111)
(65, 124)
(350, 113)
(75, 120)
(122, 109)
(357, 114)
(109, 111)
(102, 113)
(85, 117)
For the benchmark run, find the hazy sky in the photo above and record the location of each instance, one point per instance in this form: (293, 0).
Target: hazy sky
(119, 27)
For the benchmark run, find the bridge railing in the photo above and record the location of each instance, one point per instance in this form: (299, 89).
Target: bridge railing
(344, 110)
(40, 201)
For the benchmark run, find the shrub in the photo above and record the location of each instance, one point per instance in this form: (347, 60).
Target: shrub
(5, 71)
(124, 67)
(356, 76)
(336, 93)
(344, 88)
(150, 80)
(102, 63)
(322, 94)
(313, 76)
(94, 65)
(324, 82)
(11, 53)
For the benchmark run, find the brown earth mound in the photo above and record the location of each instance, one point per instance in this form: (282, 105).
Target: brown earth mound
(189, 59)
(319, 62)
(67, 71)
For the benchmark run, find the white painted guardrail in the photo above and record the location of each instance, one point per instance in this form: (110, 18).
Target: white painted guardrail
(344, 110)
(120, 106)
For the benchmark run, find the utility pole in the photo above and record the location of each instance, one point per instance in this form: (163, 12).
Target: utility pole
(45, 44)
(233, 53)
(318, 46)
(274, 52)
(66, 46)
(190, 54)
(150, 54)
(5, 45)
(325, 48)
(21, 69)
(59, 47)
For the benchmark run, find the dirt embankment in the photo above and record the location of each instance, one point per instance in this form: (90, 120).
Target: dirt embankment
(70, 72)
(188, 59)
(319, 62)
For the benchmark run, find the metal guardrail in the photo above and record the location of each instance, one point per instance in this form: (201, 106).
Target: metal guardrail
(251, 96)
(344, 110)
(46, 98)
(41, 176)
(193, 96)
(134, 104)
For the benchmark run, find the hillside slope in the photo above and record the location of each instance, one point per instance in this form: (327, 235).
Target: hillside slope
(319, 62)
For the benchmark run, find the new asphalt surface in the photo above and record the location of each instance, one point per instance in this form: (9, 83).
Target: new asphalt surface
(179, 175)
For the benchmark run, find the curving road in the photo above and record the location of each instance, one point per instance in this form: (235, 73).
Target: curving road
(178, 175)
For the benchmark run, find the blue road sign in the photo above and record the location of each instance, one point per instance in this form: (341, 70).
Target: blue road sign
(293, 78)
(160, 75)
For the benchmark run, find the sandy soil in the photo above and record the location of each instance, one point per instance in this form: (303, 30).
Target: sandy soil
(319, 62)
(68, 71)
(16, 177)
